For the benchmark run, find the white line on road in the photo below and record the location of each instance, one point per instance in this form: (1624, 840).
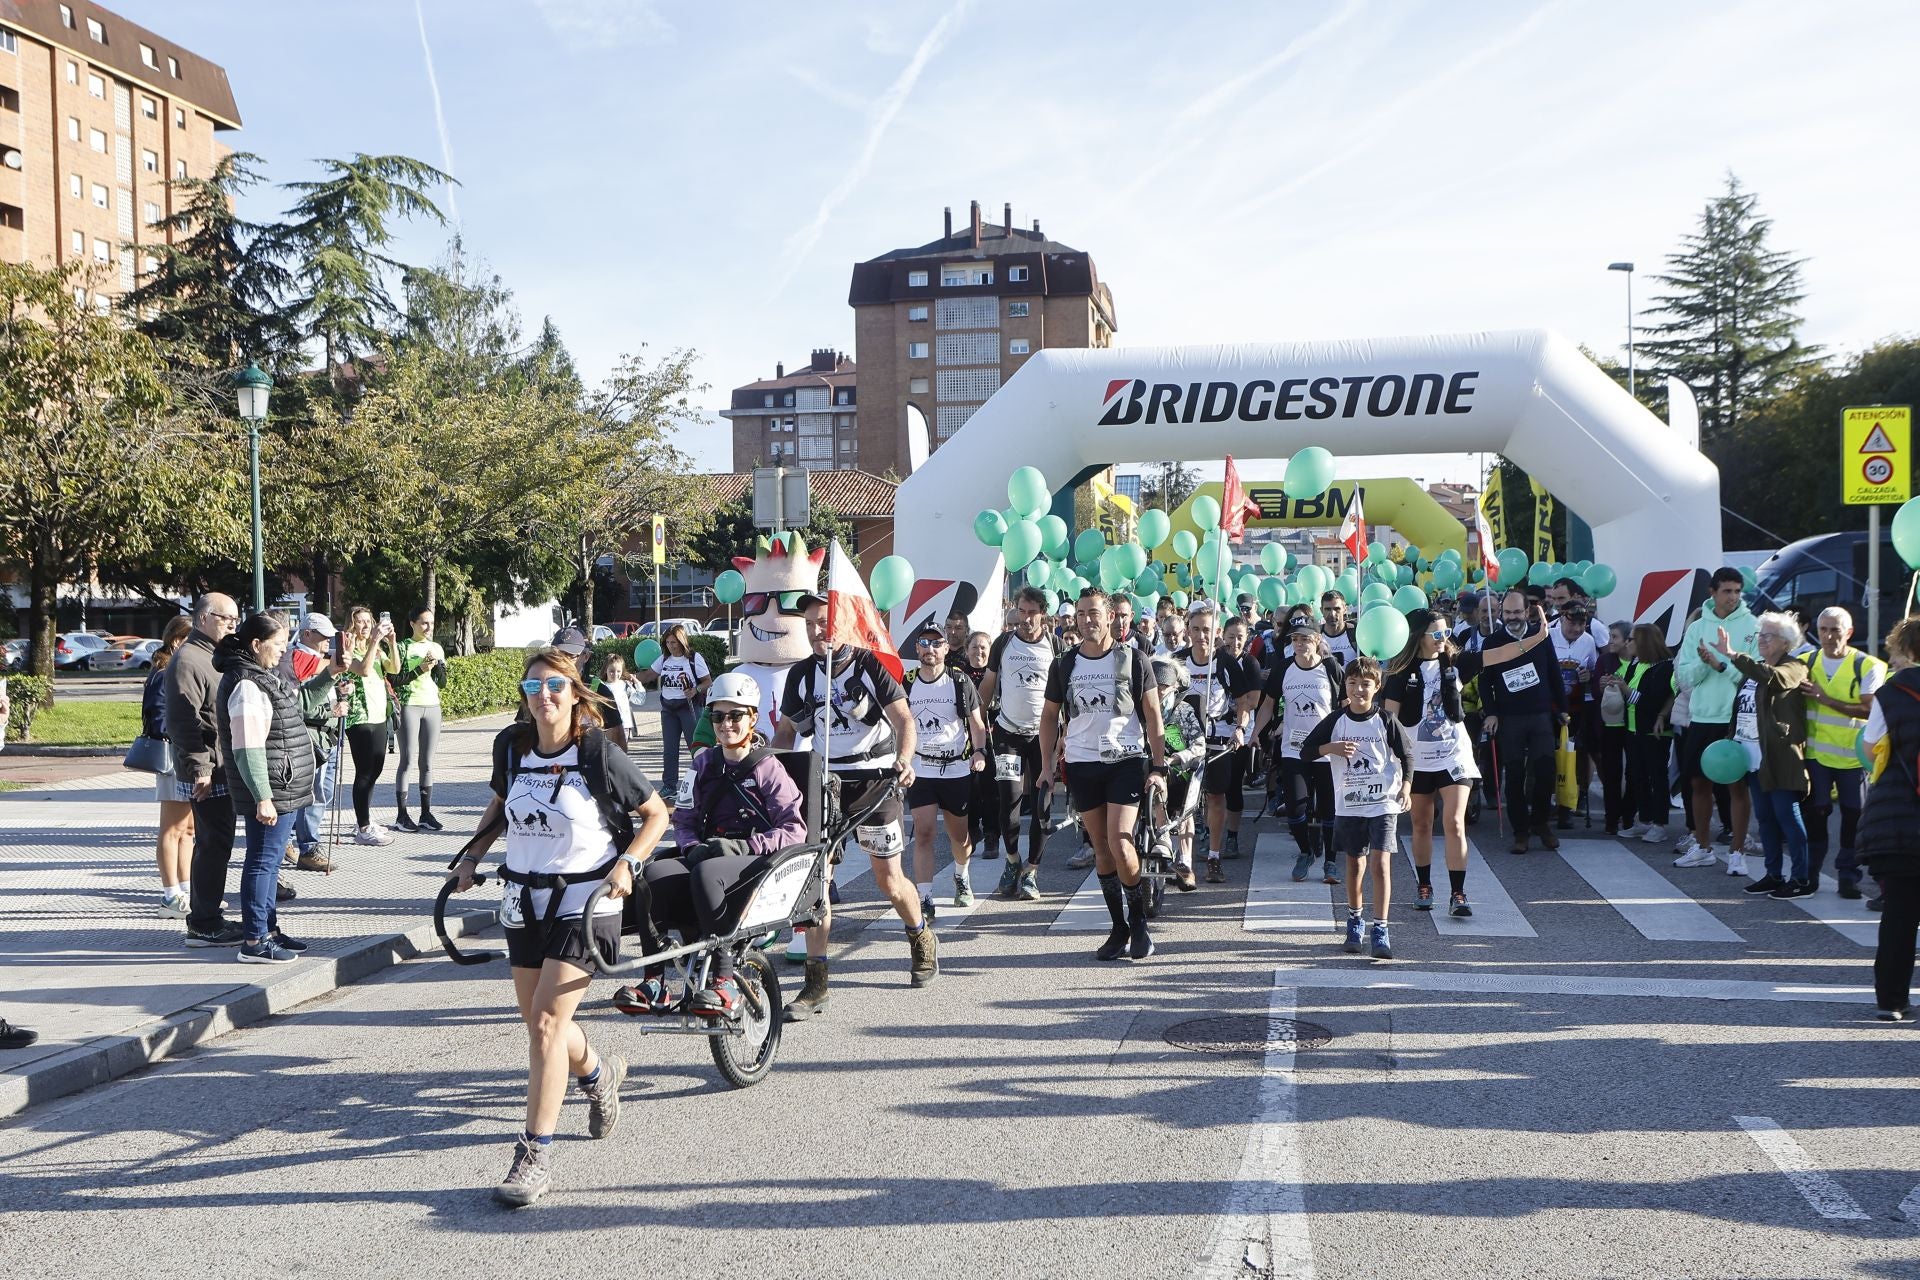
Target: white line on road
(1264, 1228)
(1851, 920)
(1495, 914)
(1815, 1187)
(945, 913)
(1275, 901)
(1085, 912)
(1910, 1207)
(1408, 979)
(1647, 900)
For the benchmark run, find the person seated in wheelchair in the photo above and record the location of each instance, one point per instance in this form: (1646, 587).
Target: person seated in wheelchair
(745, 809)
(1186, 740)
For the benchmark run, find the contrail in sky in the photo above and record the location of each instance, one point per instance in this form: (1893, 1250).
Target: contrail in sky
(439, 115)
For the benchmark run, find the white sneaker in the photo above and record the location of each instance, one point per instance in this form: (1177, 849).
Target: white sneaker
(1632, 831)
(1736, 864)
(1753, 848)
(372, 834)
(1654, 835)
(173, 906)
(1696, 857)
(1687, 847)
(1081, 860)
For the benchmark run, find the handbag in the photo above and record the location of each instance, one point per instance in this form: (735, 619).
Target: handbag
(149, 755)
(1566, 773)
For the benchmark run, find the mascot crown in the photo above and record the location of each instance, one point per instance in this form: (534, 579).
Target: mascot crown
(781, 564)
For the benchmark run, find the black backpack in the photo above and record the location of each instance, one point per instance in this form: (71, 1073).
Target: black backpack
(1127, 695)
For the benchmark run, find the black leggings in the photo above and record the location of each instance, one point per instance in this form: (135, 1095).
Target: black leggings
(1899, 926)
(1307, 788)
(368, 745)
(983, 810)
(1647, 785)
(1030, 783)
(699, 893)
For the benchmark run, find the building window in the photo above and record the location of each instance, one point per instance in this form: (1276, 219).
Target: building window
(916, 279)
(73, 128)
(917, 386)
(66, 17)
(1015, 310)
(768, 402)
(102, 304)
(916, 351)
(79, 244)
(149, 108)
(152, 214)
(967, 313)
(9, 42)
(79, 295)
(846, 420)
(1017, 275)
(787, 400)
(75, 188)
(173, 67)
(96, 86)
(146, 56)
(965, 273)
(949, 418)
(98, 32)
(73, 72)
(918, 312)
(1017, 347)
(97, 139)
(843, 396)
(179, 170)
(967, 385)
(968, 348)
(150, 161)
(179, 117)
(102, 251)
(100, 200)
(846, 446)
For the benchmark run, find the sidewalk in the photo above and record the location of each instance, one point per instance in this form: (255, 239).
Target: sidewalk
(86, 961)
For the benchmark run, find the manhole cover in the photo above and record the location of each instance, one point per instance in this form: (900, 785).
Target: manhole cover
(1245, 1033)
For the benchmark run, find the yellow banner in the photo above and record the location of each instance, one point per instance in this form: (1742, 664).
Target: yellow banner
(1493, 519)
(1542, 523)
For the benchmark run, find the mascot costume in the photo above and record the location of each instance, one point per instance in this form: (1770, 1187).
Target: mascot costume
(773, 626)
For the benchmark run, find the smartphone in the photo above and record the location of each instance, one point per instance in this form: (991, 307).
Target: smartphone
(339, 646)
(386, 619)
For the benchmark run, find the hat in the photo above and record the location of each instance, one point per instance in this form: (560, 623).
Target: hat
(1202, 605)
(1301, 624)
(929, 630)
(320, 624)
(570, 640)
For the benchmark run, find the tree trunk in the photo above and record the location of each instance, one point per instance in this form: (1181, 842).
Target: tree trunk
(44, 580)
(463, 635)
(430, 582)
(584, 565)
(321, 586)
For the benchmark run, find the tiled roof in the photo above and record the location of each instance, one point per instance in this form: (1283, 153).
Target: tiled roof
(848, 494)
(200, 82)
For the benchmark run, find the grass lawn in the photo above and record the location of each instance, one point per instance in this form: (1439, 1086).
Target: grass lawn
(86, 722)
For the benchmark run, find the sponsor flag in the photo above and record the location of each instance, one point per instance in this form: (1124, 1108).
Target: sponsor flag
(1542, 523)
(1491, 520)
(1236, 506)
(851, 615)
(1353, 530)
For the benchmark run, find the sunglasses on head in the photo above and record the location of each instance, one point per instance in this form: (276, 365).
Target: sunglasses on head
(553, 684)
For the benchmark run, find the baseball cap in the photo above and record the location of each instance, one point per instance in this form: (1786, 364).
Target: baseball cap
(930, 630)
(570, 640)
(1301, 624)
(320, 624)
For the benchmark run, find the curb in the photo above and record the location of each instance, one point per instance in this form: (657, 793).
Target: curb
(110, 1057)
(29, 749)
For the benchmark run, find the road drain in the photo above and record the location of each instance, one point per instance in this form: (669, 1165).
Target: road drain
(1245, 1033)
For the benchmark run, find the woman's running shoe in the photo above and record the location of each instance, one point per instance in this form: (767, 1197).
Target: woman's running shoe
(1460, 906)
(265, 951)
(1423, 898)
(173, 906)
(285, 943)
(1303, 866)
(528, 1178)
(1009, 878)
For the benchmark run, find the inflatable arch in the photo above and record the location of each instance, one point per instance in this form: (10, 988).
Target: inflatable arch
(1396, 502)
(1653, 502)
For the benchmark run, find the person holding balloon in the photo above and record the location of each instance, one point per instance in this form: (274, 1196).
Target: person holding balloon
(1770, 735)
(1714, 683)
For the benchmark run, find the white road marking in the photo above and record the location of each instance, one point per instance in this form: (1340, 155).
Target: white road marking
(1275, 900)
(1495, 914)
(1410, 979)
(1851, 920)
(1644, 897)
(1085, 912)
(1263, 1230)
(945, 913)
(1910, 1207)
(1815, 1187)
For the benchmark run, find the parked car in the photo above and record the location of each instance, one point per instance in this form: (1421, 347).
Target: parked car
(72, 649)
(15, 655)
(603, 633)
(653, 629)
(1828, 569)
(621, 630)
(718, 627)
(125, 655)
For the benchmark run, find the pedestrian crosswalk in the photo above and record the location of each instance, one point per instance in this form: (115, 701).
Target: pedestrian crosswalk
(1586, 876)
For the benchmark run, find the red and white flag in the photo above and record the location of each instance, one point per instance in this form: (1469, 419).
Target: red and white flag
(851, 615)
(1235, 506)
(1353, 530)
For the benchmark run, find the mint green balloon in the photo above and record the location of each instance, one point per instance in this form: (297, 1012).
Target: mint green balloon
(989, 527)
(1381, 634)
(1088, 546)
(1179, 599)
(646, 653)
(1039, 573)
(1205, 511)
(729, 587)
(1020, 545)
(1061, 577)
(1724, 762)
(1407, 599)
(1906, 532)
(1376, 593)
(1599, 580)
(1027, 491)
(1185, 544)
(1510, 567)
(1154, 527)
(1053, 536)
(890, 583)
(1309, 472)
(1272, 593)
(1134, 556)
(1273, 558)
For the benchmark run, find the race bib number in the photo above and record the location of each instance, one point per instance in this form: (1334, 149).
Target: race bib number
(880, 841)
(511, 916)
(1006, 768)
(1520, 679)
(1747, 726)
(1297, 737)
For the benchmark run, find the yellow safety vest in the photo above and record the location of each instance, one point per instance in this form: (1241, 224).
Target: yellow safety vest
(1831, 735)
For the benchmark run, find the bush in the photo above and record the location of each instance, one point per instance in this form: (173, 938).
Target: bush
(710, 647)
(28, 695)
(481, 683)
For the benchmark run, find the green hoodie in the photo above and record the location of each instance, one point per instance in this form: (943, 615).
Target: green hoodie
(1714, 691)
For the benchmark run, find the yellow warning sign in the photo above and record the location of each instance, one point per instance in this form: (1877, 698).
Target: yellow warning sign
(1876, 459)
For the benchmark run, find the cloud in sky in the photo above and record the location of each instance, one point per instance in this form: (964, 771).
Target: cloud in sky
(586, 26)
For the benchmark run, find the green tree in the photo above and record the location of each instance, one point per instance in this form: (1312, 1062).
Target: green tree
(95, 453)
(1167, 484)
(1728, 326)
(730, 532)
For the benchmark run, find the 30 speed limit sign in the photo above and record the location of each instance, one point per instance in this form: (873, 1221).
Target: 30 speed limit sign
(1878, 470)
(1875, 455)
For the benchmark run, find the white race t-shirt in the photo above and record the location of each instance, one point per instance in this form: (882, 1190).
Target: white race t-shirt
(1578, 658)
(1213, 693)
(549, 832)
(1020, 681)
(1366, 784)
(679, 676)
(1439, 744)
(1306, 700)
(1096, 733)
(941, 743)
(1340, 645)
(1746, 722)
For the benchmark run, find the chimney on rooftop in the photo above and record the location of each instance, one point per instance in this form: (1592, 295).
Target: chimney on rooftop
(1036, 226)
(779, 370)
(976, 224)
(949, 222)
(1006, 221)
(824, 359)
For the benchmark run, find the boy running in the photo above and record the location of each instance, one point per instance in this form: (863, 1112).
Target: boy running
(1372, 787)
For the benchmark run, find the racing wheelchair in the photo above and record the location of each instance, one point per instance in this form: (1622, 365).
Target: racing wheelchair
(791, 891)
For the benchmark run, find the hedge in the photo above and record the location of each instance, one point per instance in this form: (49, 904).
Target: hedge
(28, 694)
(712, 648)
(480, 683)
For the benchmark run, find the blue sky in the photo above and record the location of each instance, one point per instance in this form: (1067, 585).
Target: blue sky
(704, 175)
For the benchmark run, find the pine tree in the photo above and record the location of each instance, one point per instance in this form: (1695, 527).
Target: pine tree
(1728, 327)
(1168, 484)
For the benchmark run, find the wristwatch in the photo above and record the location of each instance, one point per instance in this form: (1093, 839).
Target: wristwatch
(633, 862)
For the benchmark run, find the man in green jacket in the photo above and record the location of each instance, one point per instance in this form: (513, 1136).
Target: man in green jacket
(1714, 683)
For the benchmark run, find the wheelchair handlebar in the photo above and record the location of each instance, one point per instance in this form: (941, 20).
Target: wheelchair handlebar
(454, 953)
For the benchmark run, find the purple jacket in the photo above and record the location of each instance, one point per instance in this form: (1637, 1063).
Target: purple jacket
(718, 808)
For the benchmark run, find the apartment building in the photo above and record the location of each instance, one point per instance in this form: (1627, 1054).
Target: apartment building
(808, 418)
(939, 327)
(97, 117)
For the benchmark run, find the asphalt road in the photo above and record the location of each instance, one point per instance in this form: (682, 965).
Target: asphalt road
(1577, 1109)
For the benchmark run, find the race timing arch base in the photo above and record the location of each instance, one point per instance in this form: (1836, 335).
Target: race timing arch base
(1531, 395)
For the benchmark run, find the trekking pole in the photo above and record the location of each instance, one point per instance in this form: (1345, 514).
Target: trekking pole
(1500, 789)
(333, 800)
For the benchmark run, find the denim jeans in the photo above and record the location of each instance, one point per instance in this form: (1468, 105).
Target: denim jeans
(676, 722)
(306, 823)
(260, 873)
(1819, 809)
(1778, 813)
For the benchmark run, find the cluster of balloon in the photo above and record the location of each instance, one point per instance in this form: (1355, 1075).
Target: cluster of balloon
(1511, 568)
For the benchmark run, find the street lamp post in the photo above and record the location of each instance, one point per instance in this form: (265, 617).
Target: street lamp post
(253, 388)
(1628, 268)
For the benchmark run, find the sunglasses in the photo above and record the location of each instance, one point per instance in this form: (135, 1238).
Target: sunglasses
(931, 642)
(1437, 634)
(553, 684)
(756, 602)
(731, 717)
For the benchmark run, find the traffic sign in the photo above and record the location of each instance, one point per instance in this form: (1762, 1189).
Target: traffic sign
(659, 539)
(1877, 454)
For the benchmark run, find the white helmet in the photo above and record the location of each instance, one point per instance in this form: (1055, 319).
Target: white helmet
(741, 690)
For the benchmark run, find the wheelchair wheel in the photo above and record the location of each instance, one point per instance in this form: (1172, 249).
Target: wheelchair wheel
(1156, 897)
(746, 1058)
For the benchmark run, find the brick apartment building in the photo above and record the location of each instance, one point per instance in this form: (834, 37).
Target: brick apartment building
(97, 115)
(808, 417)
(939, 327)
